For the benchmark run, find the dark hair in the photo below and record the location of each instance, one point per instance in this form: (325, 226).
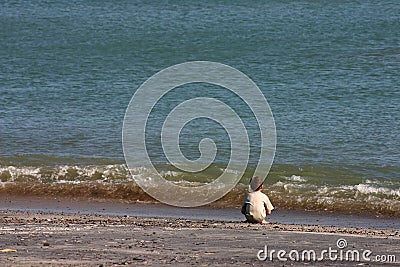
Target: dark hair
(259, 188)
(256, 181)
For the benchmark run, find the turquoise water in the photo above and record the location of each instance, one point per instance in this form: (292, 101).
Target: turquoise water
(329, 70)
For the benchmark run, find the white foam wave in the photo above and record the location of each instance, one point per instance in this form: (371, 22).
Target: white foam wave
(370, 189)
(63, 173)
(170, 173)
(14, 172)
(296, 178)
(363, 190)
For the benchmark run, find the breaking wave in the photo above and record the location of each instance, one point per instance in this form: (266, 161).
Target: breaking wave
(286, 191)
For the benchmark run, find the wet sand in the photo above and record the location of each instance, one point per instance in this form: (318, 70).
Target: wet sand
(84, 238)
(114, 208)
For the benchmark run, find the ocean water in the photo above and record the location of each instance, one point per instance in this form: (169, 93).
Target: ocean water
(329, 70)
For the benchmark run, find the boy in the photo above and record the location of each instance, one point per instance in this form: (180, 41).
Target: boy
(256, 205)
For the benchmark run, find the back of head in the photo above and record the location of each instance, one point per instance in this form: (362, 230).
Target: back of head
(255, 184)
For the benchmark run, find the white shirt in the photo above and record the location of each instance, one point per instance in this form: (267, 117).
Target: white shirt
(257, 201)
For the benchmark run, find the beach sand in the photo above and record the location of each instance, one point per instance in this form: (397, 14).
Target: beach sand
(77, 233)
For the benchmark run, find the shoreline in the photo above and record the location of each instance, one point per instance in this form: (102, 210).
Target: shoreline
(151, 210)
(30, 217)
(62, 232)
(42, 239)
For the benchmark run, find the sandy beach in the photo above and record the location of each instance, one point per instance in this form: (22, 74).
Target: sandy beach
(91, 237)
(113, 110)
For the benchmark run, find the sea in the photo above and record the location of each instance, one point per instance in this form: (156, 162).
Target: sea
(330, 71)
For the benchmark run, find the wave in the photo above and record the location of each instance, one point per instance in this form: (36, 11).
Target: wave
(290, 192)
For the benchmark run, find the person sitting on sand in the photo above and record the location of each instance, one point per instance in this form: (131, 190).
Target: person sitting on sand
(256, 205)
